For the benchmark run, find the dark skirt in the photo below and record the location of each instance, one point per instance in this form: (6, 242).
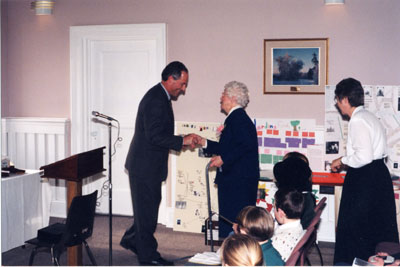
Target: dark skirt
(232, 198)
(367, 213)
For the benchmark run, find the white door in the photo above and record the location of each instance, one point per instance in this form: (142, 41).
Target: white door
(112, 67)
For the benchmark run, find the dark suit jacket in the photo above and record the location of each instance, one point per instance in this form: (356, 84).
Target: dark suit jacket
(238, 148)
(154, 137)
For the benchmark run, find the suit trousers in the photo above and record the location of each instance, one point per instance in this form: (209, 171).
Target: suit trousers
(146, 198)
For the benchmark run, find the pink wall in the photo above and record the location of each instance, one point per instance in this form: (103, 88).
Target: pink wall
(219, 41)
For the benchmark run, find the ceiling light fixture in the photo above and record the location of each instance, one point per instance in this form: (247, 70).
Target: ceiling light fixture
(43, 7)
(334, 2)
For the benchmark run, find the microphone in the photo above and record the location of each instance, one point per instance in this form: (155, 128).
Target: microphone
(98, 114)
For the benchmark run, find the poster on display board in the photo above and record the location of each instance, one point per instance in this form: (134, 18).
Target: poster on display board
(277, 137)
(191, 209)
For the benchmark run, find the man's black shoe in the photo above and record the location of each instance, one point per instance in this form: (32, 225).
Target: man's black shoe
(125, 245)
(158, 262)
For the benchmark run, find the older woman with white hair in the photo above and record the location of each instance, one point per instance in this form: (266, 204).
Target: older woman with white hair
(235, 156)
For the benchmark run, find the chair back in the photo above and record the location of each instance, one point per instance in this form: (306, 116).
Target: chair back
(314, 227)
(314, 222)
(80, 219)
(321, 204)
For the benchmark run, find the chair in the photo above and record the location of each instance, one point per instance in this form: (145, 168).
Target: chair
(78, 227)
(313, 239)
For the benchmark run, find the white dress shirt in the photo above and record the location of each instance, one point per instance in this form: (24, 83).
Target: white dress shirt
(165, 90)
(366, 139)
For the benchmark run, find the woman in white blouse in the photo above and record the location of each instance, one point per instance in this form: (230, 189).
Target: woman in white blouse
(367, 213)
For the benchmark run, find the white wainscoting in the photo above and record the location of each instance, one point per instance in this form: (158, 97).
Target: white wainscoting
(34, 142)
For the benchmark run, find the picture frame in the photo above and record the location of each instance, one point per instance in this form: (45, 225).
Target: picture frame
(295, 66)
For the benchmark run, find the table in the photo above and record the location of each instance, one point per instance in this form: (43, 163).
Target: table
(25, 208)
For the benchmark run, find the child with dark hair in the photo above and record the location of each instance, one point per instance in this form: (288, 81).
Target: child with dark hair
(289, 205)
(258, 223)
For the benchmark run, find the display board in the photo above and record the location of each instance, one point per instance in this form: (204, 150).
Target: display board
(276, 137)
(384, 102)
(191, 208)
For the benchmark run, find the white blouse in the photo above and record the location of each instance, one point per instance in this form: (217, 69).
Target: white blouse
(286, 236)
(366, 139)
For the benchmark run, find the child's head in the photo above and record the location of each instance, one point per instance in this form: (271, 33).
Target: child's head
(289, 204)
(293, 172)
(241, 250)
(256, 222)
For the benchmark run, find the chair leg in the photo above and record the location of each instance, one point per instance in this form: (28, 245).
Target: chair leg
(308, 261)
(302, 260)
(55, 259)
(319, 253)
(31, 258)
(90, 254)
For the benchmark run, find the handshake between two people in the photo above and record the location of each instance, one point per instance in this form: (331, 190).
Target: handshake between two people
(192, 141)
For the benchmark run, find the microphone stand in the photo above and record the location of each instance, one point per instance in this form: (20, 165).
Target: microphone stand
(109, 124)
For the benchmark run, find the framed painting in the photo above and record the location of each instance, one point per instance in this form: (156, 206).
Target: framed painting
(295, 66)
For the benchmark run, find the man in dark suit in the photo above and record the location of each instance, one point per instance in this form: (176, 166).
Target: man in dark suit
(236, 157)
(147, 160)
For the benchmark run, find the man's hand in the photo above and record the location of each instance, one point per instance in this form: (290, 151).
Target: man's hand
(216, 161)
(199, 141)
(192, 140)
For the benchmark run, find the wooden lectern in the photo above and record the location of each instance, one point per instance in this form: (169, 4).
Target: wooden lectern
(74, 169)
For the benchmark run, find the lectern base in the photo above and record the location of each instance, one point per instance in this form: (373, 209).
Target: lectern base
(74, 254)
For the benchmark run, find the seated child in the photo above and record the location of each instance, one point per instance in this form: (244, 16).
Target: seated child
(258, 223)
(288, 209)
(241, 250)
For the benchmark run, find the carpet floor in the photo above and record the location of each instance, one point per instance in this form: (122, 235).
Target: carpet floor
(173, 245)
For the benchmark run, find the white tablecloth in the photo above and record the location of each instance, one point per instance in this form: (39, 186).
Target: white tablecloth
(25, 208)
